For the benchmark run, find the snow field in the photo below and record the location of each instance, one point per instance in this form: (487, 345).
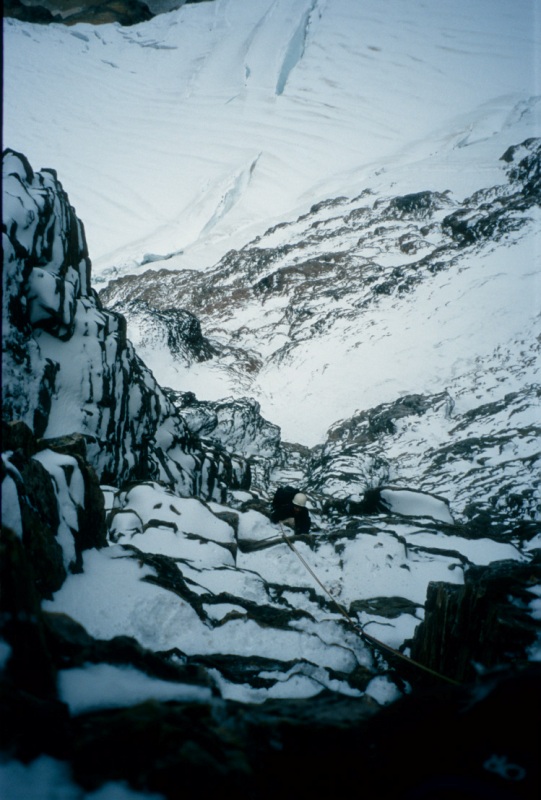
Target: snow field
(195, 130)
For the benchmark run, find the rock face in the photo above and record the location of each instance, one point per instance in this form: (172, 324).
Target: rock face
(177, 330)
(95, 12)
(138, 553)
(217, 744)
(236, 424)
(333, 266)
(54, 502)
(486, 621)
(70, 12)
(61, 340)
(261, 749)
(491, 451)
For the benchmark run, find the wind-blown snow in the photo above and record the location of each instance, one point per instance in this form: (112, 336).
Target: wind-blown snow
(191, 133)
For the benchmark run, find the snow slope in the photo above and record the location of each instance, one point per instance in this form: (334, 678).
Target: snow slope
(193, 132)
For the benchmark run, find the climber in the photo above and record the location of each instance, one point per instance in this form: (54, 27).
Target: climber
(289, 506)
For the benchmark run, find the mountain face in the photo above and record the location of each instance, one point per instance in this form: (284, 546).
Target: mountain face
(171, 582)
(377, 350)
(107, 393)
(334, 295)
(319, 285)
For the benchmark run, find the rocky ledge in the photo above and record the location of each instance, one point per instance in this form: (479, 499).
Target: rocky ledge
(95, 12)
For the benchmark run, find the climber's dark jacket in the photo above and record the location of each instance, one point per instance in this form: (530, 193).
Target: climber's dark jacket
(283, 509)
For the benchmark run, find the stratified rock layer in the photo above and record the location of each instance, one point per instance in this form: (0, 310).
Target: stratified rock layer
(59, 340)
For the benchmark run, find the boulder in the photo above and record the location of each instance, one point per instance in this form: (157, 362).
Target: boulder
(53, 502)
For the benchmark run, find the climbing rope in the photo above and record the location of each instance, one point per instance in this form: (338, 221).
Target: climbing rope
(366, 636)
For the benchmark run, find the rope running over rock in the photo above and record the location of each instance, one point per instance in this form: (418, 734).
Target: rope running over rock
(358, 628)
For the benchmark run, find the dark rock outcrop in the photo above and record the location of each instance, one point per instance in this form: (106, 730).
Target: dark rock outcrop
(258, 750)
(57, 501)
(95, 12)
(69, 12)
(33, 719)
(175, 329)
(490, 218)
(491, 451)
(268, 749)
(485, 623)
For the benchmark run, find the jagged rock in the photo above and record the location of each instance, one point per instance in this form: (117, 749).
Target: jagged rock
(176, 329)
(91, 530)
(491, 450)
(18, 436)
(331, 265)
(34, 501)
(144, 509)
(368, 426)
(419, 205)
(482, 624)
(259, 750)
(486, 219)
(352, 461)
(55, 505)
(234, 423)
(33, 719)
(96, 12)
(389, 607)
(71, 646)
(38, 14)
(268, 750)
(29, 666)
(525, 169)
(60, 337)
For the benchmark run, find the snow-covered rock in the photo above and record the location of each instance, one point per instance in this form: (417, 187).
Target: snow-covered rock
(333, 230)
(51, 500)
(194, 565)
(67, 365)
(361, 300)
(234, 423)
